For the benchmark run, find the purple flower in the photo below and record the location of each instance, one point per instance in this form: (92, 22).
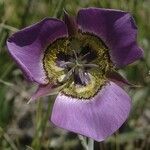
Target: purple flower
(78, 58)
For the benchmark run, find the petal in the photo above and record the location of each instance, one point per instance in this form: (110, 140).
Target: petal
(41, 91)
(27, 47)
(116, 28)
(96, 118)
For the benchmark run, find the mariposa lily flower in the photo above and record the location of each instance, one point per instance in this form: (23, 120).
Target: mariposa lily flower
(79, 58)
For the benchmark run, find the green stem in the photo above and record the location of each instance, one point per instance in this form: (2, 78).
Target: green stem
(8, 139)
(90, 144)
(8, 27)
(86, 146)
(83, 141)
(45, 118)
(117, 141)
(36, 142)
(41, 122)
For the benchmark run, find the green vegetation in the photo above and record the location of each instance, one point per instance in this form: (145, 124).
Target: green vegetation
(25, 126)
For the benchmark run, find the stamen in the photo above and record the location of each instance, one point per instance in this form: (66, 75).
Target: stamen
(84, 77)
(68, 75)
(76, 57)
(82, 57)
(90, 65)
(64, 63)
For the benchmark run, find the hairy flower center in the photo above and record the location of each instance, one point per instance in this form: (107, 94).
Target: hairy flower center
(80, 63)
(77, 65)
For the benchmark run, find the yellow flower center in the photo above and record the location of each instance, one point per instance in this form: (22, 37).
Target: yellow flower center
(80, 62)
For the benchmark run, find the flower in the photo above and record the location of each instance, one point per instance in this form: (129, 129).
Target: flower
(79, 57)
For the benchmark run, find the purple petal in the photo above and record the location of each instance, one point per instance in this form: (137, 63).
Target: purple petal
(97, 118)
(41, 91)
(27, 47)
(116, 28)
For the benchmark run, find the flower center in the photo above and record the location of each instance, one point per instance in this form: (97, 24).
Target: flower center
(79, 62)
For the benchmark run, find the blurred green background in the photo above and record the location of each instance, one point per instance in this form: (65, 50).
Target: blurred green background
(25, 126)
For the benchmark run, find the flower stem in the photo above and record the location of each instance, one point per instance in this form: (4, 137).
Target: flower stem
(90, 144)
(83, 142)
(8, 27)
(86, 146)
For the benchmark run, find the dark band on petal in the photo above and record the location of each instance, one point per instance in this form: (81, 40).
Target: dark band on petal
(81, 62)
